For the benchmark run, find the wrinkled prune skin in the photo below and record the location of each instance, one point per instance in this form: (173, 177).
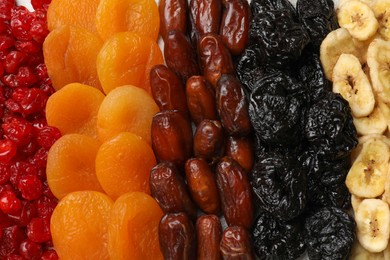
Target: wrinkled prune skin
(318, 18)
(326, 180)
(309, 72)
(329, 233)
(275, 239)
(279, 184)
(329, 126)
(281, 38)
(277, 107)
(259, 6)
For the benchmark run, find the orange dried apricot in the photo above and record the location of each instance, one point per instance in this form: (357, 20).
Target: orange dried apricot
(127, 59)
(126, 109)
(140, 16)
(70, 56)
(79, 225)
(80, 13)
(74, 108)
(133, 228)
(123, 164)
(71, 165)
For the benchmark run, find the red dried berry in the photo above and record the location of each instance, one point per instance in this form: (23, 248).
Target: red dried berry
(8, 151)
(28, 47)
(30, 250)
(14, 60)
(38, 230)
(30, 100)
(18, 130)
(26, 214)
(30, 186)
(9, 203)
(49, 255)
(4, 173)
(47, 135)
(26, 77)
(6, 42)
(21, 23)
(45, 206)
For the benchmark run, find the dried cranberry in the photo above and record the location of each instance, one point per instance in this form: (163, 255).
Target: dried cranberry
(21, 23)
(18, 130)
(47, 135)
(39, 158)
(11, 239)
(38, 230)
(30, 186)
(4, 173)
(45, 206)
(14, 60)
(8, 150)
(49, 255)
(26, 214)
(39, 30)
(9, 203)
(26, 77)
(14, 257)
(30, 100)
(6, 42)
(30, 250)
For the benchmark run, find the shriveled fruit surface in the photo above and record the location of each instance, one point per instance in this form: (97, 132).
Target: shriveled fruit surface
(123, 164)
(140, 16)
(79, 225)
(80, 13)
(70, 56)
(71, 165)
(133, 228)
(127, 58)
(126, 109)
(74, 108)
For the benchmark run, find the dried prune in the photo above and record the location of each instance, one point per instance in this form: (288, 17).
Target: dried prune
(281, 38)
(326, 180)
(280, 185)
(329, 126)
(309, 71)
(258, 6)
(329, 233)
(277, 239)
(276, 109)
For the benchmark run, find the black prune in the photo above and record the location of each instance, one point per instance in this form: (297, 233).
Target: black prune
(309, 71)
(276, 108)
(326, 180)
(329, 126)
(258, 6)
(276, 239)
(279, 184)
(281, 38)
(310, 8)
(329, 233)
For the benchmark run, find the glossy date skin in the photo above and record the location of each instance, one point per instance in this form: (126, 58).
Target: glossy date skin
(180, 56)
(177, 237)
(201, 99)
(233, 106)
(173, 16)
(209, 233)
(167, 89)
(235, 193)
(209, 140)
(205, 17)
(215, 58)
(235, 25)
(172, 137)
(236, 244)
(168, 188)
(242, 150)
(202, 185)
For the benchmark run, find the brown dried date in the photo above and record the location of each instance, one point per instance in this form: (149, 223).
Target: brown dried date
(235, 24)
(205, 17)
(235, 193)
(201, 99)
(172, 137)
(168, 188)
(209, 140)
(173, 16)
(236, 244)
(242, 150)
(202, 185)
(177, 237)
(209, 233)
(167, 89)
(233, 106)
(215, 57)
(179, 55)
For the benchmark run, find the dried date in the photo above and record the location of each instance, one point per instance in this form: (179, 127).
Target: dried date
(215, 58)
(168, 188)
(173, 16)
(232, 106)
(177, 237)
(236, 244)
(235, 23)
(209, 140)
(235, 193)
(209, 233)
(167, 89)
(202, 185)
(241, 149)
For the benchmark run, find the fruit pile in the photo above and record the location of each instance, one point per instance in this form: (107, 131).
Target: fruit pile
(26, 202)
(355, 58)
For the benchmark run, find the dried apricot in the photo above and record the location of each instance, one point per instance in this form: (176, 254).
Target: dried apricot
(127, 59)
(126, 109)
(62, 112)
(123, 164)
(70, 56)
(133, 229)
(71, 165)
(80, 13)
(79, 225)
(140, 16)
